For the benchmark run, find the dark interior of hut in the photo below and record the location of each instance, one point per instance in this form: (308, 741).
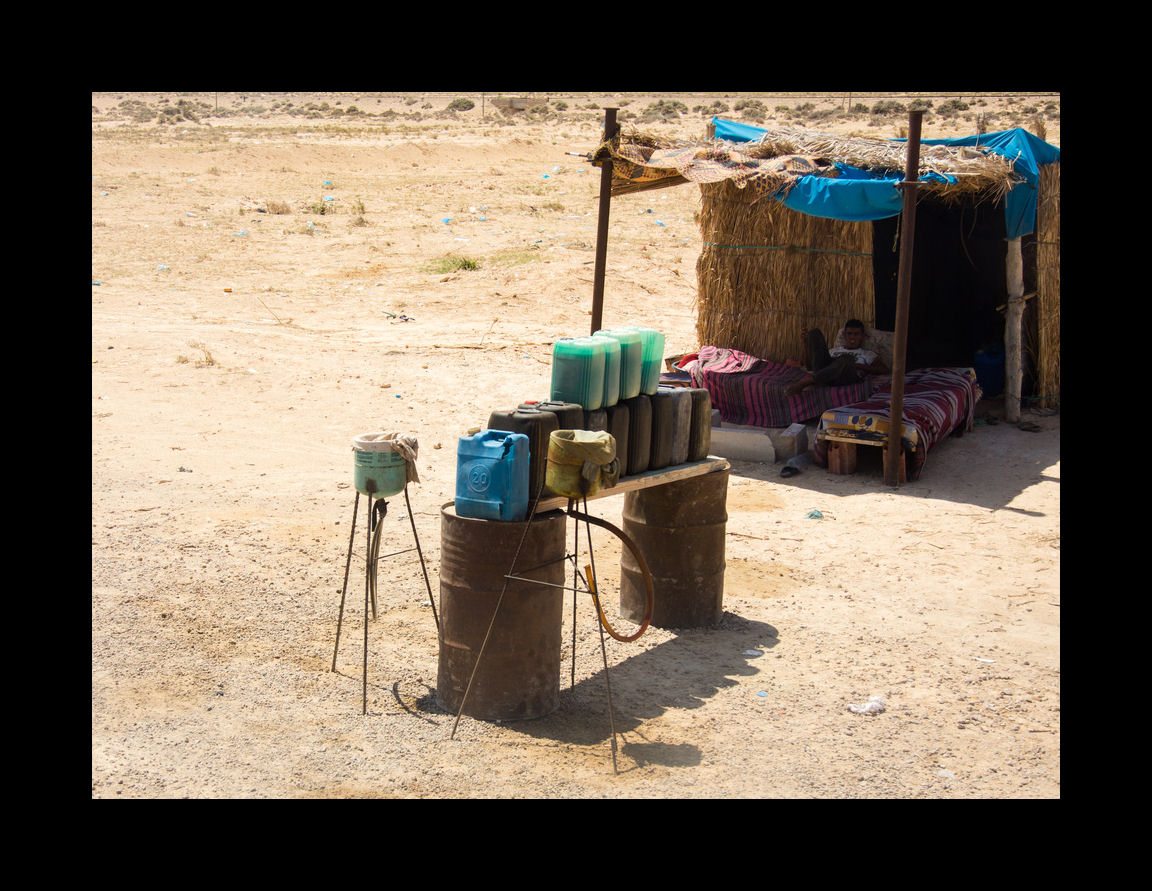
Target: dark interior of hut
(958, 287)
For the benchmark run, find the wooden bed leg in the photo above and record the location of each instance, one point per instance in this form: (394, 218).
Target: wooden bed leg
(901, 465)
(841, 457)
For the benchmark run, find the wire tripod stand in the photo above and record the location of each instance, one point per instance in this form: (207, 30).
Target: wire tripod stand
(581, 583)
(376, 514)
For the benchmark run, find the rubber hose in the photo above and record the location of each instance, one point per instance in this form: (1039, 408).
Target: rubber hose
(649, 595)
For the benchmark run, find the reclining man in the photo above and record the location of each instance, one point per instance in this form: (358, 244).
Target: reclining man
(839, 366)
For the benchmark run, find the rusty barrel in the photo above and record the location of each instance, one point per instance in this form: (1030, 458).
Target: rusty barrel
(679, 528)
(519, 672)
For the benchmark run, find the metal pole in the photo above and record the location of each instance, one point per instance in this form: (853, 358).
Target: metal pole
(344, 590)
(602, 225)
(367, 582)
(903, 287)
(420, 554)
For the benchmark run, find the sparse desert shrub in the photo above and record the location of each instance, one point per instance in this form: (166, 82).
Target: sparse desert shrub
(663, 110)
(453, 263)
(951, 107)
(888, 107)
(752, 109)
(279, 207)
(461, 104)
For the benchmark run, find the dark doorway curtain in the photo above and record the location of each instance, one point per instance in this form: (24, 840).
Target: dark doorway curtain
(958, 280)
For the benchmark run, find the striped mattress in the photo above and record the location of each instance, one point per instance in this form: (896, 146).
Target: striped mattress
(937, 402)
(749, 390)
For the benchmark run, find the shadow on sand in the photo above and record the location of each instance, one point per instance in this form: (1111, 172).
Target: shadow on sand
(680, 673)
(988, 466)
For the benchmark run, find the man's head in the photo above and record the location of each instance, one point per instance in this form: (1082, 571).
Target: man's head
(853, 334)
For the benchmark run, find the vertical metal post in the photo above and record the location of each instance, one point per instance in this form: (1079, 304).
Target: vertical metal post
(602, 226)
(903, 288)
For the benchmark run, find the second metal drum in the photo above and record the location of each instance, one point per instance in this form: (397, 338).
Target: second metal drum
(679, 528)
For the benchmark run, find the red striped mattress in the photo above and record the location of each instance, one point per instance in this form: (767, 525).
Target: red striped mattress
(937, 402)
(748, 390)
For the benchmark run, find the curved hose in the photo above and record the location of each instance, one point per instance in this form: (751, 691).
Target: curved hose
(649, 596)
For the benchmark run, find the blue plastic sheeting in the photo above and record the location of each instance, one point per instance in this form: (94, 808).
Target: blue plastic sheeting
(853, 195)
(735, 132)
(1029, 153)
(858, 194)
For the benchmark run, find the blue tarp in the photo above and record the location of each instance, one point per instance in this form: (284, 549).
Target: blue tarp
(858, 194)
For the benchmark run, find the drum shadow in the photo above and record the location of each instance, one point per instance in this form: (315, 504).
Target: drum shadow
(681, 673)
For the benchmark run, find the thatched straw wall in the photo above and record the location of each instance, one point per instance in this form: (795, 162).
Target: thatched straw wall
(766, 273)
(1048, 285)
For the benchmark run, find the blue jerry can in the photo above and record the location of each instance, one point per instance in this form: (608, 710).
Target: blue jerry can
(492, 476)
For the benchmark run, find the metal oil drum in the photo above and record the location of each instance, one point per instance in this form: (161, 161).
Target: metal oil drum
(519, 671)
(679, 528)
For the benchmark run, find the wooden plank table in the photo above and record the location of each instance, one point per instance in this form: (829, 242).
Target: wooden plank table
(645, 480)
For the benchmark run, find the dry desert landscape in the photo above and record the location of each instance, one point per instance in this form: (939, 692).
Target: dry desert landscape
(276, 273)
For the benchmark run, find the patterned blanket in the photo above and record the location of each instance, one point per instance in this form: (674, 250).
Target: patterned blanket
(937, 402)
(748, 390)
(636, 166)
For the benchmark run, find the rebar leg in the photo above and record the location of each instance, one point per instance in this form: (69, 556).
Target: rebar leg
(347, 567)
(416, 537)
(575, 576)
(367, 571)
(600, 625)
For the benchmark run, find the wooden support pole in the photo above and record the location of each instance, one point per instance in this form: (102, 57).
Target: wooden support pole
(893, 453)
(1013, 324)
(602, 226)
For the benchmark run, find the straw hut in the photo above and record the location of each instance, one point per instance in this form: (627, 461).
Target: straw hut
(801, 229)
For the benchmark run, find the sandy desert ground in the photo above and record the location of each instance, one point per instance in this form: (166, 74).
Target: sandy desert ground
(274, 274)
